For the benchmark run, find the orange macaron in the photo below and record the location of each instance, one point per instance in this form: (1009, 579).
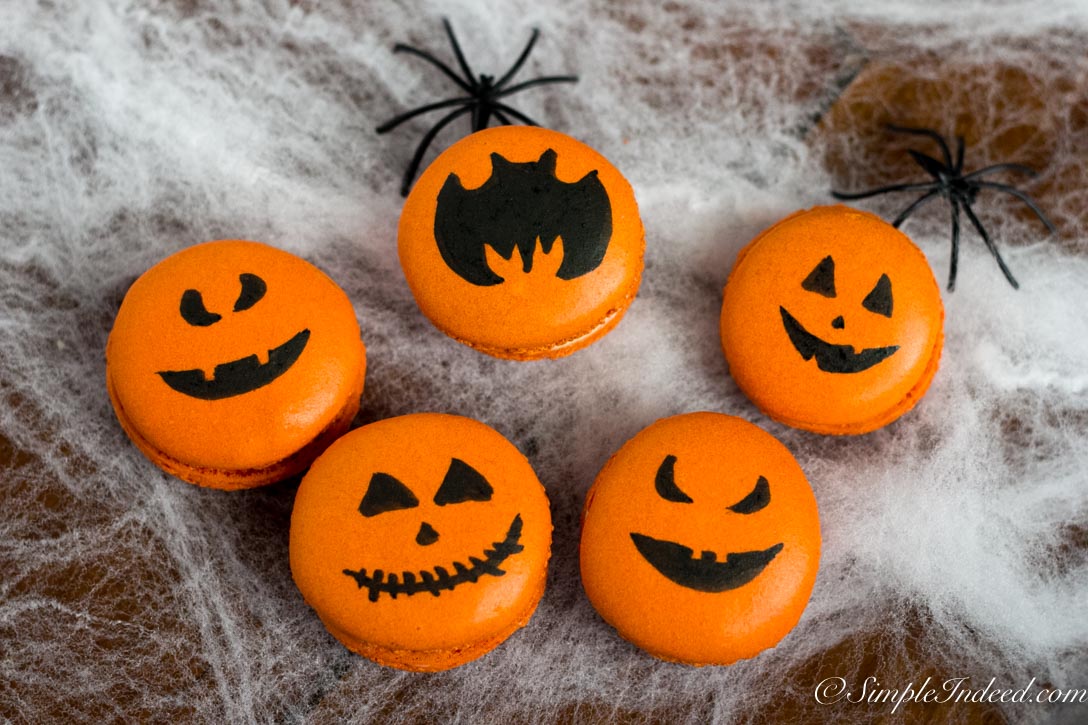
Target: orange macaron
(232, 364)
(522, 243)
(422, 542)
(701, 540)
(832, 321)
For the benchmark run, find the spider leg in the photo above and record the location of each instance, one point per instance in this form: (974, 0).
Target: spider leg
(929, 133)
(1002, 167)
(516, 114)
(932, 166)
(535, 82)
(1024, 198)
(519, 62)
(502, 118)
(413, 167)
(954, 262)
(922, 186)
(402, 48)
(921, 200)
(990, 245)
(398, 120)
(460, 56)
(959, 155)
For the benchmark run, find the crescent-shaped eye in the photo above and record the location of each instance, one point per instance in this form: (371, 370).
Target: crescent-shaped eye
(754, 501)
(253, 289)
(666, 486)
(194, 312)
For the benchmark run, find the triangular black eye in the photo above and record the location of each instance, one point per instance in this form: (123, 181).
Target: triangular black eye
(462, 483)
(194, 312)
(666, 486)
(821, 280)
(880, 299)
(253, 289)
(756, 500)
(386, 493)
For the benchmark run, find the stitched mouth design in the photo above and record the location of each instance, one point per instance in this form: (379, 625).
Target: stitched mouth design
(832, 358)
(439, 579)
(238, 377)
(705, 574)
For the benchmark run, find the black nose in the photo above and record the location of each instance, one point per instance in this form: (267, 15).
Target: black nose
(427, 535)
(838, 323)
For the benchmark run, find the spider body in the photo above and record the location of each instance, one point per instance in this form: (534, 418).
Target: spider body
(483, 97)
(960, 189)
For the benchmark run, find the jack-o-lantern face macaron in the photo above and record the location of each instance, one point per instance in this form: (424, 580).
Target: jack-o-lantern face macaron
(522, 242)
(832, 321)
(701, 540)
(422, 542)
(232, 364)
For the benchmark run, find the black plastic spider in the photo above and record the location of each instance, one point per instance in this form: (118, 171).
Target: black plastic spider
(482, 100)
(960, 189)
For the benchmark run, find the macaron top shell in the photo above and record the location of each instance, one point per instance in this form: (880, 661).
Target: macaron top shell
(701, 540)
(832, 321)
(422, 533)
(233, 355)
(520, 241)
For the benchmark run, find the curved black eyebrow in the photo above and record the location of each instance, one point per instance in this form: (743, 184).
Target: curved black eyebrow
(253, 289)
(666, 486)
(194, 312)
(754, 501)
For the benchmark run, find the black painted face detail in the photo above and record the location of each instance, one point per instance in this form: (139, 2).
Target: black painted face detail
(253, 289)
(386, 493)
(438, 578)
(880, 299)
(665, 483)
(838, 358)
(236, 377)
(519, 204)
(705, 574)
(821, 279)
(832, 358)
(461, 483)
(756, 500)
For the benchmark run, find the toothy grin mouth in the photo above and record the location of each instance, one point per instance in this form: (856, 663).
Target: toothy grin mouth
(705, 574)
(438, 579)
(832, 358)
(238, 377)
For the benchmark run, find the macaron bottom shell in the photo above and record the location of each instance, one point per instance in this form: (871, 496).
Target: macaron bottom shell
(237, 480)
(434, 660)
(561, 348)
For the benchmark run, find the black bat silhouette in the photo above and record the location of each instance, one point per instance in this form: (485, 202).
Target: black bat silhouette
(516, 206)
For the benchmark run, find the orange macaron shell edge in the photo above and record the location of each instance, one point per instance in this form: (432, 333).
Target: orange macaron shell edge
(530, 314)
(765, 288)
(330, 538)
